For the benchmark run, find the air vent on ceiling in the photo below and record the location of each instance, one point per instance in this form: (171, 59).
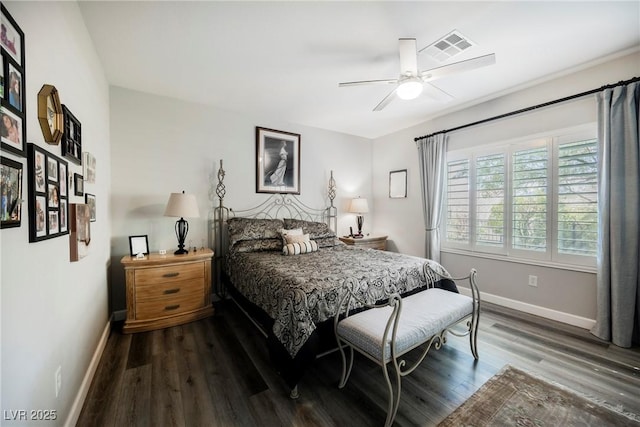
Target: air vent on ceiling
(448, 46)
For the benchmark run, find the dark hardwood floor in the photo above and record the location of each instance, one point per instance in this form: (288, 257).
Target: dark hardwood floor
(216, 372)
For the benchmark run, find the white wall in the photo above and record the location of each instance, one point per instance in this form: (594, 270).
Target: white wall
(54, 311)
(561, 294)
(162, 145)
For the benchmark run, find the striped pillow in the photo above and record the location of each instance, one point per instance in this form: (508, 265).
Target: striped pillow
(297, 245)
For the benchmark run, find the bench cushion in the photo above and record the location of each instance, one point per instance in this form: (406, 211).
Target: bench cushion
(423, 315)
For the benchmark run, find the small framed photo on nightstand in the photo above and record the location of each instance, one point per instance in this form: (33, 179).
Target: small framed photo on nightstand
(138, 245)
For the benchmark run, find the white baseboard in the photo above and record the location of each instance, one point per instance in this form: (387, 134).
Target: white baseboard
(547, 313)
(78, 402)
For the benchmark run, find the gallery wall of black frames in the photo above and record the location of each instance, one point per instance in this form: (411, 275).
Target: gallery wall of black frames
(49, 179)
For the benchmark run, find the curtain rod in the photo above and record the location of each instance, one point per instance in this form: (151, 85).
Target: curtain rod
(524, 110)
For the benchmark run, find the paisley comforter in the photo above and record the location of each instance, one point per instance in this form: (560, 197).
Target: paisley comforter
(301, 291)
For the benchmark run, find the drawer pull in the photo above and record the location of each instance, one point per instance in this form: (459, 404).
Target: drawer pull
(172, 307)
(172, 291)
(171, 274)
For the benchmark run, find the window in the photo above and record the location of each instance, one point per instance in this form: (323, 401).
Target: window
(490, 194)
(532, 200)
(529, 199)
(458, 201)
(578, 198)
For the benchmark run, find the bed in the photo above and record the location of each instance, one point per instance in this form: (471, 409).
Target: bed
(293, 295)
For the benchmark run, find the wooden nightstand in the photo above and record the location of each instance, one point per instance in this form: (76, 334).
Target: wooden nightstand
(373, 242)
(167, 290)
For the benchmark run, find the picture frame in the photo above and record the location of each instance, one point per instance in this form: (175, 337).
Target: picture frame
(12, 41)
(138, 245)
(48, 197)
(11, 192)
(12, 131)
(90, 200)
(398, 184)
(62, 174)
(78, 185)
(80, 233)
(63, 215)
(15, 87)
(89, 168)
(52, 169)
(13, 123)
(2, 81)
(277, 161)
(71, 143)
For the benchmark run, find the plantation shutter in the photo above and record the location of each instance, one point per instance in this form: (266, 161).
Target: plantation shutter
(578, 198)
(457, 225)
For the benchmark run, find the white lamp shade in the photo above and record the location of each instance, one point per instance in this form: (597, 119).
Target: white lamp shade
(410, 89)
(182, 205)
(359, 205)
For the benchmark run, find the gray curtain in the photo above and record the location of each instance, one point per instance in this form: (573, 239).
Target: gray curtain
(433, 164)
(618, 293)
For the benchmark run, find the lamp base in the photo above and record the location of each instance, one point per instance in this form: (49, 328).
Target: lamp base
(360, 222)
(182, 228)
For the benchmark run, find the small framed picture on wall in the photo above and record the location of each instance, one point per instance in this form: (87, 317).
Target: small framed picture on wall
(78, 184)
(90, 200)
(11, 191)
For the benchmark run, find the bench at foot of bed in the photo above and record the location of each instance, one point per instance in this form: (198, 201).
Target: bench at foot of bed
(385, 332)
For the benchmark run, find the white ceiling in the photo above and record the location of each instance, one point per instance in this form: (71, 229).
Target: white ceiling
(284, 60)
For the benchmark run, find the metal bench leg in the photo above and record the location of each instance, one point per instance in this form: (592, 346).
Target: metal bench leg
(473, 335)
(394, 400)
(346, 370)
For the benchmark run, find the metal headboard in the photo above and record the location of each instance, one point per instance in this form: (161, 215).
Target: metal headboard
(275, 206)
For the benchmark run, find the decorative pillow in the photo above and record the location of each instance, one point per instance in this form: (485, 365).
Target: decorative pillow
(297, 245)
(294, 231)
(296, 238)
(316, 230)
(247, 229)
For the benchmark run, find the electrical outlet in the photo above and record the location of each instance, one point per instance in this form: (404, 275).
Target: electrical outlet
(533, 281)
(58, 380)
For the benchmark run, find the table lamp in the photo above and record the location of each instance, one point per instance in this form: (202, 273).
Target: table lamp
(359, 206)
(182, 205)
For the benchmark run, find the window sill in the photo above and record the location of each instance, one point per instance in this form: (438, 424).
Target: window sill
(506, 258)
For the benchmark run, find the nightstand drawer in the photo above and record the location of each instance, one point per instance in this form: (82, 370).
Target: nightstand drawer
(161, 307)
(380, 244)
(169, 273)
(169, 289)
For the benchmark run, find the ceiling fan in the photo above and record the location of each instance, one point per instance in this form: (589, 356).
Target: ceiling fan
(411, 82)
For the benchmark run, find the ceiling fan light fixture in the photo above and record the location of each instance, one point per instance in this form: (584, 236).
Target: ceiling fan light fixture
(410, 88)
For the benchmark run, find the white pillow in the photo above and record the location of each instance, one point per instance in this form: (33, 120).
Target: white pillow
(296, 238)
(290, 232)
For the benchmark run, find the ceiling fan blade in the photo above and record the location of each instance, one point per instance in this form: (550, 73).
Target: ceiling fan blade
(368, 82)
(458, 67)
(386, 101)
(434, 92)
(408, 57)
